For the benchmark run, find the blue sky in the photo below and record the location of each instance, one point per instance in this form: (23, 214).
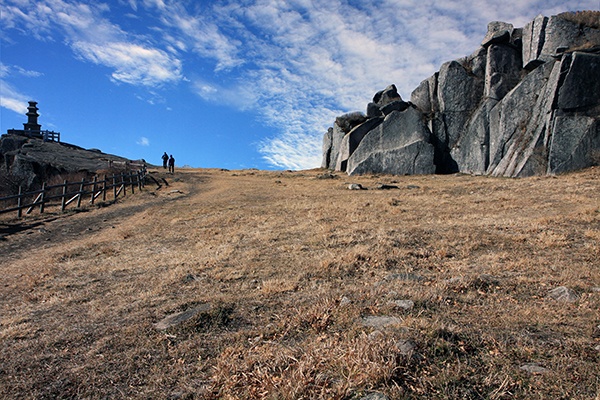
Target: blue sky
(229, 84)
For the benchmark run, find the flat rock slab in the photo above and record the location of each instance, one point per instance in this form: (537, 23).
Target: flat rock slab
(177, 318)
(563, 293)
(533, 368)
(380, 321)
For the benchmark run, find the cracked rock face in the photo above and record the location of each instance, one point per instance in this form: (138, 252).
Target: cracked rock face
(525, 103)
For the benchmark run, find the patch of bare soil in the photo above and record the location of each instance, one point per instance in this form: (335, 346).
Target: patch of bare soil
(287, 285)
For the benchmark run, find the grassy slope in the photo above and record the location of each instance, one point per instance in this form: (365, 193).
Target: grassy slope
(290, 266)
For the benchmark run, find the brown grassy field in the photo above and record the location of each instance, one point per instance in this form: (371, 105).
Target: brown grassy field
(286, 273)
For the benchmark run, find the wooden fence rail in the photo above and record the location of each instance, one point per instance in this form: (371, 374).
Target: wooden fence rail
(70, 192)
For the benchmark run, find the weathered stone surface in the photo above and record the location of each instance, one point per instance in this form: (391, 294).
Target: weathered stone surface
(386, 96)
(33, 161)
(352, 139)
(337, 135)
(380, 321)
(518, 124)
(459, 94)
(400, 145)
(349, 121)
(581, 85)
(177, 318)
(327, 146)
(497, 32)
(533, 41)
(575, 144)
(471, 152)
(563, 293)
(503, 70)
(397, 105)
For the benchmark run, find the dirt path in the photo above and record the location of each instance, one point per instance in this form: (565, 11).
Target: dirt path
(55, 228)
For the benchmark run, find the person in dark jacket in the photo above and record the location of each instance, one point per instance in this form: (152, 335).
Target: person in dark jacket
(171, 164)
(165, 158)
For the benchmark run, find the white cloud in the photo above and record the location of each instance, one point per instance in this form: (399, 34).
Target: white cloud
(94, 38)
(132, 63)
(12, 99)
(143, 141)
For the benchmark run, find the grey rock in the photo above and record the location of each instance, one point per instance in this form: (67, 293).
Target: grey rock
(533, 41)
(581, 86)
(375, 396)
(355, 186)
(386, 96)
(503, 70)
(380, 321)
(396, 105)
(403, 304)
(497, 32)
(524, 103)
(349, 121)
(177, 318)
(400, 145)
(327, 147)
(563, 294)
(373, 111)
(406, 347)
(533, 368)
(575, 143)
(351, 141)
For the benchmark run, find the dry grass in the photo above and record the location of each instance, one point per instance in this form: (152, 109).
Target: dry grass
(584, 18)
(290, 266)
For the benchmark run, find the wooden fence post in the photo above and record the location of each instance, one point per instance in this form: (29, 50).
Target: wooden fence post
(20, 202)
(43, 198)
(104, 189)
(132, 183)
(81, 186)
(114, 187)
(123, 184)
(94, 190)
(64, 196)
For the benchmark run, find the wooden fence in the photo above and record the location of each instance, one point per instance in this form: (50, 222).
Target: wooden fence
(72, 193)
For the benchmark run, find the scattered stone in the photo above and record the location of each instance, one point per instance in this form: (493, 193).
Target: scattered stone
(376, 335)
(175, 191)
(404, 277)
(380, 321)
(564, 294)
(355, 186)
(375, 396)
(596, 289)
(177, 318)
(344, 301)
(406, 347)
(413, 187)
(383, 186)
(404, 304)
(596, 332)
(534, 368)
(327, 175)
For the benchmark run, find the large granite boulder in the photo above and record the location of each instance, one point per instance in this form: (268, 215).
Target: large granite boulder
(524, 103)
(399, 145)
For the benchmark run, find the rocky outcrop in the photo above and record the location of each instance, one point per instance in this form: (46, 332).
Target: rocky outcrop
(30, 161)
(527, 102)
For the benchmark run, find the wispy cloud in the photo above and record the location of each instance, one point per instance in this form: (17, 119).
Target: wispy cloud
(95, 39)
(143, 141)
(10, 97)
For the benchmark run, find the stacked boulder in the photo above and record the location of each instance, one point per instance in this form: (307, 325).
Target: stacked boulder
(527, 102)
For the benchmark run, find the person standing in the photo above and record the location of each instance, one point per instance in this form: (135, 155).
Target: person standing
(171, 164)
(165, 158)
